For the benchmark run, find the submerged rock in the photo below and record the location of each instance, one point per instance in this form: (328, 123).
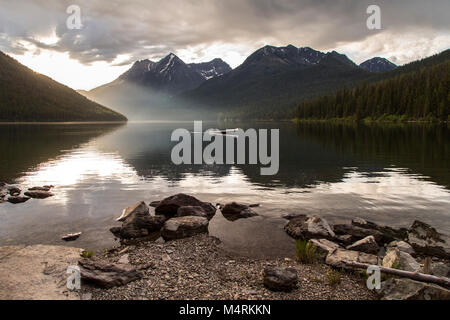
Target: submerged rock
(280, 279)
(14, 191)
(17, 199)
(39, 194)
(107, 275)
(406, 289)
(427, 241)
(235, 211)
(71, 236)
(184, 227)
(368, 245)
(169, 206)
(306, 228)
(45, 188)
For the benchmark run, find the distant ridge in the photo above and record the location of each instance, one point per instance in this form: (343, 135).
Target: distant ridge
(29, 96)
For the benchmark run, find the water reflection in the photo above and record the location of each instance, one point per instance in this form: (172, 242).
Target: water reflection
(390, 175)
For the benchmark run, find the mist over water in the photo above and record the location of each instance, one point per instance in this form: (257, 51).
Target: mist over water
(390, 174)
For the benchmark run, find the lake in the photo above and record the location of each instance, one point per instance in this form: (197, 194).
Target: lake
(387, 173)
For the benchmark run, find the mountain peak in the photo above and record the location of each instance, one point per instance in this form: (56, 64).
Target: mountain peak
(378, 64)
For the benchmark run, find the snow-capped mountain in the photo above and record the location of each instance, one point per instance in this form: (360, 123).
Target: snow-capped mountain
(378, 64)
(171, 75)
(212, 69)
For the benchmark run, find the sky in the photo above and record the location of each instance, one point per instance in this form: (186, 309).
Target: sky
(115, 33)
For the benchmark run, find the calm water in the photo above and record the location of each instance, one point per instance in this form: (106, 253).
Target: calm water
(389, 174)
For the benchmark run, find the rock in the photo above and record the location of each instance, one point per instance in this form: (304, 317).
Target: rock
(14, 191)
(280, 279)
(402, 246)
(427, 241)
(124, 259)
(169, 206)
(39, 194)
(191, 211)
(406, 289)
(357, 233)
(36, 272)
(16, 199)
(306, 228)
(139, 225)
(440, 269)
(184, 227)
(397, 259)
(367, 245)
(338, 257)
(345, 239)
(46, 188)
(116, 231)
(324, 247)
(139, 208)
(389, 234)
(154, 204)
(235, 211)
(160, 240)
(107, 275)
(254, 205)
(71, 236)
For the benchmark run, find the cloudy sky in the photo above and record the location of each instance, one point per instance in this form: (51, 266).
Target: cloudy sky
(116, 33)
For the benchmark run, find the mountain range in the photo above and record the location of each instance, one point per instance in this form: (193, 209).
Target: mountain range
(29, 96)
(269, 82)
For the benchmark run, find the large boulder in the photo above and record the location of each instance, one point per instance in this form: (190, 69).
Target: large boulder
(388, 234)
(397, 259)
(402, 246)
(139, 223)
(338, 258)
(324, 247)
(440, 269)
(138, 208)
(280, 279)
(169, 206)
(427, 241)
(357, 233)
(39, 194)
(194, 211)
(406, 289)
(184, 227)
(368, 245)
(235, 211)
(306, 228)
(107, 275)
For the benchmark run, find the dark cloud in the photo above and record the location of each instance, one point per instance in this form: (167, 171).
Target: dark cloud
(152, 28)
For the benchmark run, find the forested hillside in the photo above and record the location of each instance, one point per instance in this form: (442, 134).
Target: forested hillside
(28, 96)
(418, 91)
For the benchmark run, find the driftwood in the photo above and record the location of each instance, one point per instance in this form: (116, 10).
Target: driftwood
(406, 274)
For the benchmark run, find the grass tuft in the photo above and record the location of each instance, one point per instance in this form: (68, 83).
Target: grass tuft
(306, 252)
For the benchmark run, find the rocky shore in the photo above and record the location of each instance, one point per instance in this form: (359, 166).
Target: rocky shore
(166, 253)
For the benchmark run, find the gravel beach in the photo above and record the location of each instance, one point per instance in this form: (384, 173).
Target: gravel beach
(198, 268)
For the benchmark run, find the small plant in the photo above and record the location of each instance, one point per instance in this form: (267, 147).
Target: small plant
(306, 252)
(87, 254)
(333, 277)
